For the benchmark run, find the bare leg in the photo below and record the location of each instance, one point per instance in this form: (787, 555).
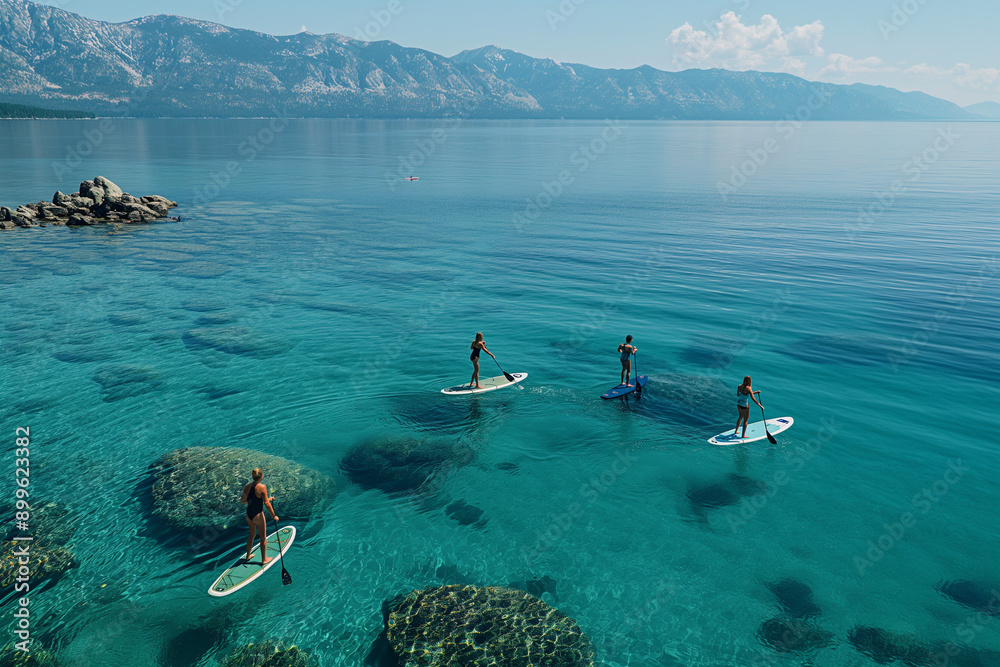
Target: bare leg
(746, 420)
(253, 534)
(475, 373)
(628, 372)
(262, 527)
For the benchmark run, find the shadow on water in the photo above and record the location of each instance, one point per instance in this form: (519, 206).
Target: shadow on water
(694, 401)
(453, 414)
(842, 349)
(795, 598)
(381, 653)
(703, 498)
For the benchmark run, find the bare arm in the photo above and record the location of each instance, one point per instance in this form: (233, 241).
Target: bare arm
(246, 492)
(754, 398)
(487, 351)
(267, 501)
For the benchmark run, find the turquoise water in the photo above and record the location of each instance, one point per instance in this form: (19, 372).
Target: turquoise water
(354, 296)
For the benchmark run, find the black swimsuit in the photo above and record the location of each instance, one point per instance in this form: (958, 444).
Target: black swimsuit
(255, 505)
(475, 353)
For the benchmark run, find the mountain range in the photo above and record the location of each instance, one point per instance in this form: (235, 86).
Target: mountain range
(170, 66)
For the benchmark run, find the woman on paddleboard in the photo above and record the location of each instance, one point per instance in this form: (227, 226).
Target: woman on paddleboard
(255, 498)
(745, 393)
(626, 350)
(477, 346)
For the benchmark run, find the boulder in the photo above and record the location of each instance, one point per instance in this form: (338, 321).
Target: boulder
(96, 193)
(20, 220)
(43, 214)
(475, 627)
(77, 220)
(111, 191)
(198, 487)
(157, 198)
(85, 187)
(60, 199)
(52, 529)
(28, 211)
(134, 207)
(395, 465)
(268, 654)
(57, 211)
(7, 224)
(136, 216)
(159, 208)
(79, 201)
(4, 213)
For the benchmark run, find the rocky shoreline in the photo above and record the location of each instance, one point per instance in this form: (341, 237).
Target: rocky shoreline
(98, 201)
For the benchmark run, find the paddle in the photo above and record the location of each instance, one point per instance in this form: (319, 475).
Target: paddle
(510, 378)
(635, 369)
(285, 577)
(770, 438)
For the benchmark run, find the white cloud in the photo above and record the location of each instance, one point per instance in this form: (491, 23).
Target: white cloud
(841, 65)
(961, 75)
(731, 44)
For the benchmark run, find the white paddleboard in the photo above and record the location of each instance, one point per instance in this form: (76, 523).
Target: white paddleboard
(243, 572)
(755, 432)
(489, 384)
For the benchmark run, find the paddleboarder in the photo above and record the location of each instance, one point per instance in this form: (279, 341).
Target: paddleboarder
(255, 498)
(745, 393)
(478, 346)
(626, 350)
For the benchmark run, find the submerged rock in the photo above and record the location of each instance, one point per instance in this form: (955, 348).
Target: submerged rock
(268, 654)
(974, 595)
(35, 656)
(537, 587)
(120, 381)
(475, 627)
(197, 487)
(730, 491)
(401, 464)
(232, 340)
(51, 528)
(795, 598)
(792, 635)
(466, 514)
(885, 647)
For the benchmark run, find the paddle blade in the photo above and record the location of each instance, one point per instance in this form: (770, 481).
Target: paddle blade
(510, 378)
(770, 438)
(285, 577)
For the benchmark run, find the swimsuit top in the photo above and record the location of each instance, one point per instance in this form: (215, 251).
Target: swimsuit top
(255, 504)
(742, 399)
(627, 351)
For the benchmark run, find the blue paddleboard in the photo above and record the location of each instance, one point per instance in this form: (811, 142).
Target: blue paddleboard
(621, 389)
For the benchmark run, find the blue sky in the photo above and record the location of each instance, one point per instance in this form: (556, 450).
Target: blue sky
(948, 49)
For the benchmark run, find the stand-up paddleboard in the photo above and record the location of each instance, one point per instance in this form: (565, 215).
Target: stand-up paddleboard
(755, 432)
(489, 384)
(242, 572)
(621, 389)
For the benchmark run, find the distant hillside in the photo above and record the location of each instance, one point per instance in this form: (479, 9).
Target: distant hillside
(985, 109)
(22, 111)
(174, 66)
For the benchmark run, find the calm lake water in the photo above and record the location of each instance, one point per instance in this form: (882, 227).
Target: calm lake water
(347, 298)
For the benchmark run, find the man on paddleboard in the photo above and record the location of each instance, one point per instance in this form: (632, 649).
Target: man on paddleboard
(626, 350)
(255, 498)
(743, 392)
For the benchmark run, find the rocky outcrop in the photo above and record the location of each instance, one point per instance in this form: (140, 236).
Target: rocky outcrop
(268, 654)
(97, 201)
(199, 487)
(476, 627)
